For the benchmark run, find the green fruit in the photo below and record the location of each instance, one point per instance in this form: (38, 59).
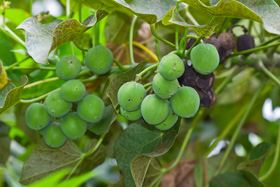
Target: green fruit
(130, 96)
(73, 91)
(169, 122)
(185, 102)
(154, 110)
(163, 88)
(68, 67)
(91, 109)
(37, 116)
(171, 67)
(205, 58)
(53, 136)
(133, 116)
(72, 126)
(56, 106)
(99, 60)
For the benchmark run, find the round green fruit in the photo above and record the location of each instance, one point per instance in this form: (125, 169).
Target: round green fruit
(130, 96)
(91, 109)
(163, 88)
(205, 58)
(37, 116)
(99, 60)
(72, 126)
(73, 91)
(169, 122)
(68, 67)
(133, 116)
(171, 67)
(154, 110)
(53, 136)
(56, 106)
(185, 102)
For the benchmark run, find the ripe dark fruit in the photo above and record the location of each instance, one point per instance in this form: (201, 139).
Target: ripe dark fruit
(73, 91)
(169, 122)
(72, 126)
(213, 41)
(130, 96)
(68, 67)
(163, 88)
(205, 82)
(205, 58)
(56, 106)
(53, 136)
(189, 77)
(132, 116)
(99, 60)
(185, 102)
(37, 116)
(245, 42)
(190, 41)
(154, 110)
(91, 109)
(227, 45)
(171, 67)
(207, 97)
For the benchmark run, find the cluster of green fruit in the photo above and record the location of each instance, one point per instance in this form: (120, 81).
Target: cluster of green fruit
(54, 120)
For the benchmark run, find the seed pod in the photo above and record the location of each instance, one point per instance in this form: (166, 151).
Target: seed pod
(214, 41)
(189, 77)
(207, 97)
(205, 82)
(227, 45)
(245, 42)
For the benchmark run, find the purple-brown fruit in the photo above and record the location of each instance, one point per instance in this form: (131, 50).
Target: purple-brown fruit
(214, 41)
(227, 45)
(207, 97)
(245, 42)
(189, 77)
(205, 82)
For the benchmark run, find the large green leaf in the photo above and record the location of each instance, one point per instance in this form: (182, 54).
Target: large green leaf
(41, 39)
(139, 167)
(140, 138)
(118, 79)
(44, 160)
(173, 17)
(10, 95)
(5, 142)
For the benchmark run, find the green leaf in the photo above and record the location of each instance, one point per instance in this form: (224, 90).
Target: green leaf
(260, 150)
(118, 79)
(103, 126)
(233, 179)
(173, 17)
(140, 138)
(41, 39)
(10, 95)
(199, 173)
(5, 142)
(139, 167)
(44, 160)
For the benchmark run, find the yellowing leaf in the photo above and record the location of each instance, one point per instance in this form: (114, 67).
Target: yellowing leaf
(3, 76)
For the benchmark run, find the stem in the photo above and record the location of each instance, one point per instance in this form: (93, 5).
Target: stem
(79, 46)
(72, 48)
(12, 35)
(157, 44)
(80, 11)
(147, 50)
(33, 68)
(275, 159)
(148, 84)
(268, 73)
(131, 32)
(16, 63)
(270, 41)
(159, 38)
(139, 76)
(31, 3)
(93, 78)
(38, 98)
(40, 82)
(238, 128)
(96, 146)
(122, 67)
(196, 42)
(67, 8)
(176, 29)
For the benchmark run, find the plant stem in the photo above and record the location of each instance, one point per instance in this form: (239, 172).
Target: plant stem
(40, 82)
(275, 159)
(79, 46)
(131, 32)
(238, 128)
(148, 84)
(38, 98)
(80, 11)
(147, 50)
(68, 8)
(72, 48)
(33, 68)
(91, 78)
(139, 76)
(270, 41)
(122, 67)
(12, 35)
(159, 38)
(268, 73)
(16, 63)
(31, 3)
(157, 44)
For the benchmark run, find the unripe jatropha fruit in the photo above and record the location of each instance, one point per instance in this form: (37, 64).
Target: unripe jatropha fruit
(133, 116)
(205, 58)
(37, 116)
(68, 67)
(169, 122)
(72, 126)
(171, 67)
(73, 90)
(130, 96)
(56, 106)
(53, 136)
(163, 88)
(185, 102)
(91, 108)
(154, 110)
(99, 60)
